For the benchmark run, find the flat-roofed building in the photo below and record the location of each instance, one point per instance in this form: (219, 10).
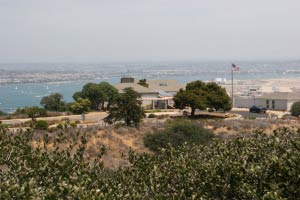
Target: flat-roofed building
(272, 101)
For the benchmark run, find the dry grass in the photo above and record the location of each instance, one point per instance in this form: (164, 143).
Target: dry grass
(233, 127)
(118, 141)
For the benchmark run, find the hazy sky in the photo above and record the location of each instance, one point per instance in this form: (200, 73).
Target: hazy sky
(148, 30)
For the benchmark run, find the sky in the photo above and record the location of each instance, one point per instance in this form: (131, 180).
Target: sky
(148, 30)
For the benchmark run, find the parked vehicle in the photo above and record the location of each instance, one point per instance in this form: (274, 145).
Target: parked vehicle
(257, 109)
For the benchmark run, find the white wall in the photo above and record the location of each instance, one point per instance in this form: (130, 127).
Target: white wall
(241, 102)
(279, 104)
(146, 102)
(173, 93)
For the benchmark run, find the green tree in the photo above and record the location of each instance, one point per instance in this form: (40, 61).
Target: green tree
(80, 106)
(194, 96)
(217, 97)
(127, 108)
(110, 95)
(53, 102)
(199, 95)
(143, 82)
(92, 92)
(32, 112)
(295, 109)
(77, 95)
(101, 95)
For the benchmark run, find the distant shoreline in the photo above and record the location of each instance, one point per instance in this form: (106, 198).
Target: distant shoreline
(16, 95)
(92, 80)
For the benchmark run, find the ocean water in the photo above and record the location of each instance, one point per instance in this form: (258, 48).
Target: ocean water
(16, 95)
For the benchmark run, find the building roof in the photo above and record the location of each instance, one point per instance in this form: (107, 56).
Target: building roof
(154, 86)
(282, 95)
(165, 85)
(136, 87)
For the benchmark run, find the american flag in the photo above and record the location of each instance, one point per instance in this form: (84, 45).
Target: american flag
(235, 68)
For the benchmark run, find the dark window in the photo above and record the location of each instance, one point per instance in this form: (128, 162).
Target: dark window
(268, 103)
(273, 104)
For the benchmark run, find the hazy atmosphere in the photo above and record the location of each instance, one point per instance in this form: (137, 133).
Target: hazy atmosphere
(140, 30)
(149, 99)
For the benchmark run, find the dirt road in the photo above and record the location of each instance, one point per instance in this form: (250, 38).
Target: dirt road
(93, 116)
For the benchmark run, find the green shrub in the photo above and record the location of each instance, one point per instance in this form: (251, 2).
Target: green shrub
(60, 126)
(295, 109)
(176, 134)
(151, 115)
(41, 125)
(80, 106)
(32, 112)
(257, 166)
(73, 124)
(3, 127)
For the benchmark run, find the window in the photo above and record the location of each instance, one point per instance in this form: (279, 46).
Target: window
(268, 103)
(273, 104)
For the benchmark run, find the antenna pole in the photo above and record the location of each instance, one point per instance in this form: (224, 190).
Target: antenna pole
(232, 98)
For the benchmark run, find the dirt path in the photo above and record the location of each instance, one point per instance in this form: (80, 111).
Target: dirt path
(93, 116)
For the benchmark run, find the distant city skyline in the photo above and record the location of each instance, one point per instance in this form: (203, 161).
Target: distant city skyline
(148, 31)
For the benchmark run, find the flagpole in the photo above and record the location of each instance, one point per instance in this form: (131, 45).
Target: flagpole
(232, 98)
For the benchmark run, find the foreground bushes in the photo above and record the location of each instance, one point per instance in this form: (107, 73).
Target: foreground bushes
(295, 109)
(177, 133)
(256, 166)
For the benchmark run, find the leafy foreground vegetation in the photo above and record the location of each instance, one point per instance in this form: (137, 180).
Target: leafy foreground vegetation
(176, 134)
(256, 166)
(295, 109)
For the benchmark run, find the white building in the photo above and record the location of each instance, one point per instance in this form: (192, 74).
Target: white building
(272, 101)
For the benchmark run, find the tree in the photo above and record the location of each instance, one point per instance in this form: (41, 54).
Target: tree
(92, 92)
(101, 95)
(295, 109)
(127, 108)
(110, 95)
(217, 97)
(193, 96)
(199, 95)
(53, 102)
(80, 106)
(143, 82)
(32, 112)
(77, 95)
